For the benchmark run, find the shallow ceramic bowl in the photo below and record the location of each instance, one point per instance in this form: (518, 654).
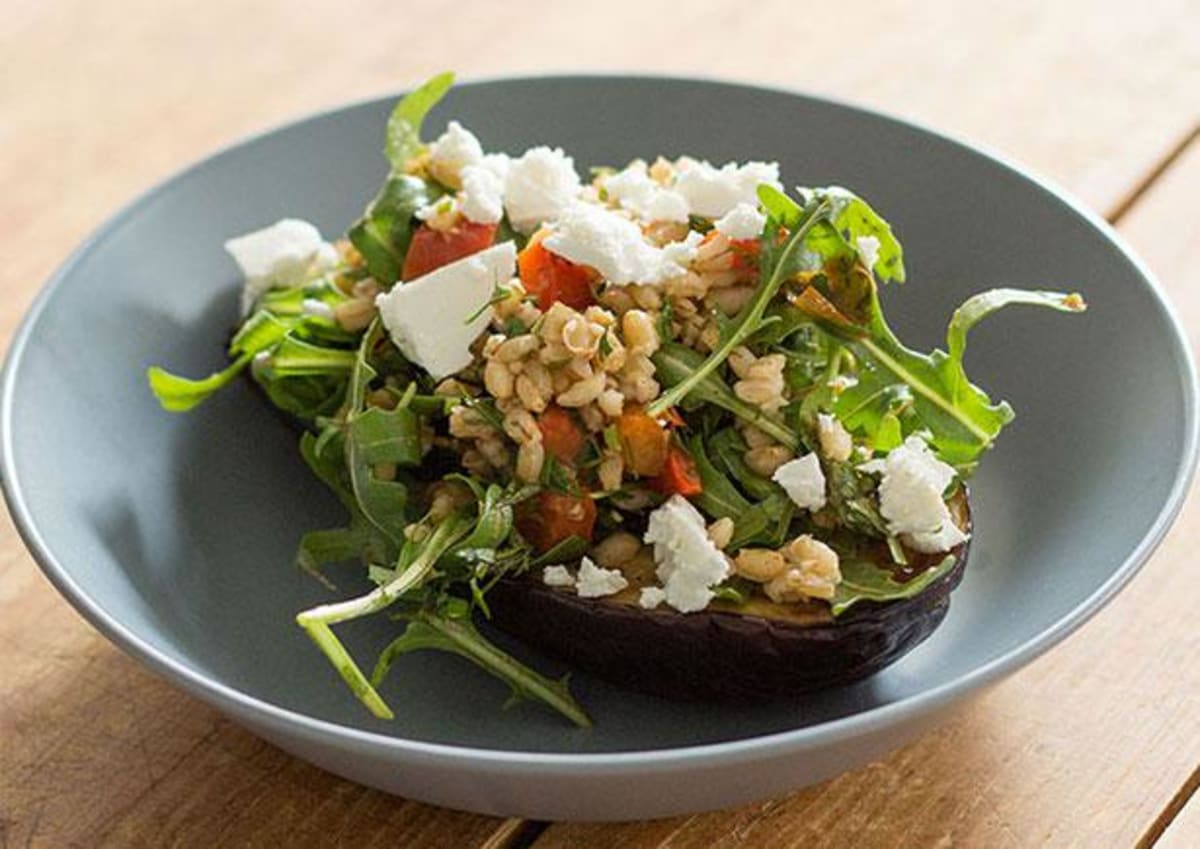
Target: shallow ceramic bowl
(174, 534)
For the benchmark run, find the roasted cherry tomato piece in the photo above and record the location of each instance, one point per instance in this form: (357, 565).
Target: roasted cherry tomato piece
(551, 278)
(430, 249)
(562, 438)
(679, 475)
(745, 253)
(551, 517)
(643, 442)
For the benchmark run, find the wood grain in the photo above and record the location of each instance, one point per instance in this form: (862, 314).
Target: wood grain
(1085, 747)
(98, 101)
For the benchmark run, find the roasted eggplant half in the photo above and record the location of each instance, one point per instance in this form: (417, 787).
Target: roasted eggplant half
(755, 649)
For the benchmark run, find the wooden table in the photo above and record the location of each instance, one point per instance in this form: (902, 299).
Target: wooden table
(1097, 744)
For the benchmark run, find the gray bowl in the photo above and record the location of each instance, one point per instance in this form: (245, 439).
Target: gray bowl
(174, 534)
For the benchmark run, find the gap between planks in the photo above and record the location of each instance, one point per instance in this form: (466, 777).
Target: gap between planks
(1151, 178)
(515, 834)
(1171, 810)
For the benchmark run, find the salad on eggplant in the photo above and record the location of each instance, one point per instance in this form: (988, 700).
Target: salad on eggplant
(648, 419)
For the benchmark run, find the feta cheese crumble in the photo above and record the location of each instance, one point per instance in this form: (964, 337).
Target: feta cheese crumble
(434, 319)
(607, 241)
(744, 221)
(651, 597)
(453, 151)
(714, 192)
(497, 163)
(286, 254)
(539, 186)
(482, 197)
(596, 582)
(803, 481)
(910, 496)
(632, 189)
(557, 576)
(689, 565)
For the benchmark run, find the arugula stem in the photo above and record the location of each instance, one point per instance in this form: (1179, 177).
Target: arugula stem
(471, 644)
(443, 536)
(326, 641)
(316, 621)
(751, 317)
(291, 365)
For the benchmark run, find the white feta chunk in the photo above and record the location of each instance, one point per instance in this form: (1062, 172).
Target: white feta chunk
(651, 597)
(453, 151)
(803, 481)
(944, 539)
(288, 253)
(497, 163)
(911, 487)
(676, 255)
(609, 242)
(539, 186)
(713, 192)
(688, 564)
(434, 319)
(482, 196)
(744, 221)
(632, 189)
(557, 576)
(596, 582)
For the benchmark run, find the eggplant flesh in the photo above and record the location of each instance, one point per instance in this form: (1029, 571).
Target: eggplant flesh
(756, 651)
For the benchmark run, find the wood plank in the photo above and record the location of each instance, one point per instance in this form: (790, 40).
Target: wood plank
(1184, 830)
(97, 101)
(1084, 747)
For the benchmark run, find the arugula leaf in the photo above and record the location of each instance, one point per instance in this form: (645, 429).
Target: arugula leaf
(863, 580)
(180, 394)
(854, 219)
(719, 498)
(373, 435)
(403, 139)
(837, 238)
(384, 231)
(493, 525)
(930, 391)
(766, 523)
(851, 500)
(450, 629)
(332, 545)
(728, 450)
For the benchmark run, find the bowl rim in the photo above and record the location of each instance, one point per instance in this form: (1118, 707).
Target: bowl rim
(729, 752)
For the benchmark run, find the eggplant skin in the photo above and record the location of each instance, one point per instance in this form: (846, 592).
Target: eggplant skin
(718, 655)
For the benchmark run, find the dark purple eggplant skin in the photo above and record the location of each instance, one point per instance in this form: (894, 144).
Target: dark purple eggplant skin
(718, 655)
